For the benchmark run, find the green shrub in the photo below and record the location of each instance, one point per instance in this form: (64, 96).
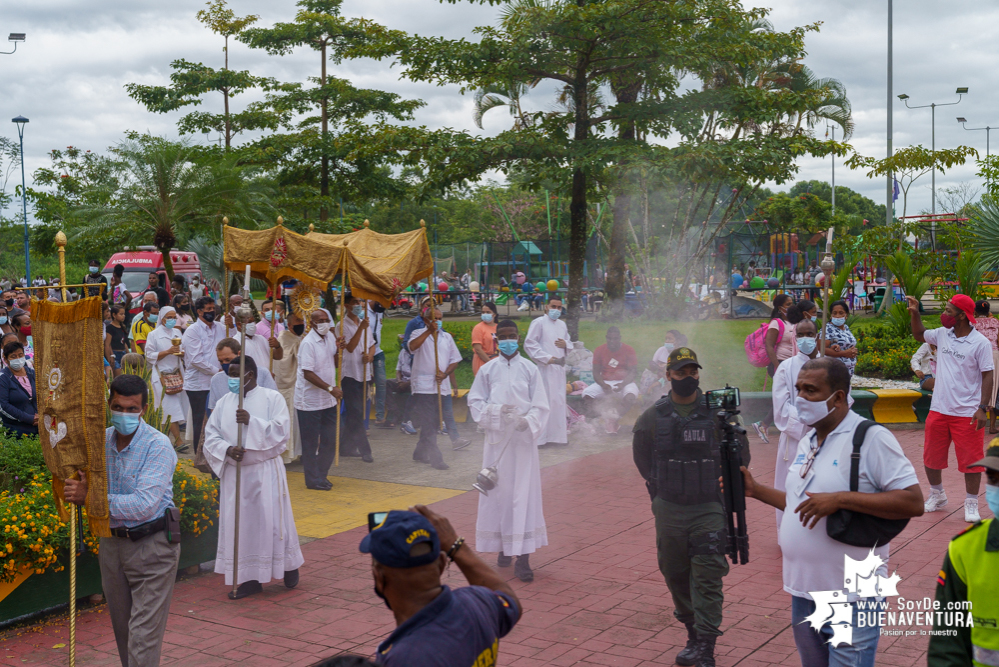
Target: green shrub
(882, 353)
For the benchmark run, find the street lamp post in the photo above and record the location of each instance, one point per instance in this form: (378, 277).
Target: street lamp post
(20, 122)
(14, 38)
(833, 157)
(960, 92)
(988, 129)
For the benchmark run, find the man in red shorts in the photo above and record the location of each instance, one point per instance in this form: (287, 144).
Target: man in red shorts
(960, 399)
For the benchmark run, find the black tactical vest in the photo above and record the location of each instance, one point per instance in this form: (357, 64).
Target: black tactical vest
(687, 456)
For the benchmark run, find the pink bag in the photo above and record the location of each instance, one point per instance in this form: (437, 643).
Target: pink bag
(755, 345)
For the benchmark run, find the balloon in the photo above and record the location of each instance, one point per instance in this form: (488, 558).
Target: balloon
(540, 285)
(773, 283)
(736, 280)
(745, 284)
(422, 287)
(552, 285)
(473, 286)
(757, 282)
(504, 289)
(820, 279)
(442, 287)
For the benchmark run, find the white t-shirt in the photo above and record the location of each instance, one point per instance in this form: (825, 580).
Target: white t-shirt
(960, 364)
(423, 381)
(352, 367)
(317, 354)
(662, 355)
(813, 561)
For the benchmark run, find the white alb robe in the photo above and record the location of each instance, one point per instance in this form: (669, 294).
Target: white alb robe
(511, 518)
(786, 418)
(268, 541)
(540, 346)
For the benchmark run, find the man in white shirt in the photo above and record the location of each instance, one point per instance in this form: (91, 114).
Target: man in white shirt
(316, 400)
(200, 362)
(818, 484)
(961, 399)
(376, 315)
(258, 347)
(546, 343)
(427, 380)
(355, 369)
(197, 289)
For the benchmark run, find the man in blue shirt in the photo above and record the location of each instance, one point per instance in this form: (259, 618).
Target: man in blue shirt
(436, 626)
(139, 561)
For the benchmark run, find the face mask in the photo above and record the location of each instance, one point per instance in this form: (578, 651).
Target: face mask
(299, 329)
(440, 324)
(487, 317)
(684, 387)
(17, 364)
(815, 318)
(250, 328)
(124, 422)
(269, 315)
(669, 347)
(806, 345)
(153, 317)
(382, 596)
(94, 269)
(225, 368)
(185, 307)
(992, 498)
(358, 311)
(26, 330)
(9, 302)
(948, 321)
(209, 317)
(838, 321)
(323, 329)
(508, 347)
(811, 413)
(169, 324)
(554, 314)
(3, 319)
(234, 385)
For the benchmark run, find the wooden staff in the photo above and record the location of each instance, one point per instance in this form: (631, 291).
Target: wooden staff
(225, 281)
(336, 371)
(239, 438)
(274, 288)
(364, 368)
(437, 368)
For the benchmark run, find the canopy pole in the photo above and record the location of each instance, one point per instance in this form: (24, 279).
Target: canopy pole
(73, 509)
(225, 283)
(339, 355)
(239, 440)
(274, 299)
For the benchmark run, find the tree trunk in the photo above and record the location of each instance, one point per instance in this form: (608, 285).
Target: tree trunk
(324, 178)
(167, 265)
(577, 209)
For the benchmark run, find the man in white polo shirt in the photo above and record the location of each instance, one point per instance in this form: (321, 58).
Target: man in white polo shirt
(430, 379)
(961, 399)
(818, 484)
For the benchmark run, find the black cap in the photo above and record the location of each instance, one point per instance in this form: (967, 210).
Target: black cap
(991, 460)
(680, 357)
(392, 541)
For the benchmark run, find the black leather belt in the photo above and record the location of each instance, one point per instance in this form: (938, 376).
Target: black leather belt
(143, 530)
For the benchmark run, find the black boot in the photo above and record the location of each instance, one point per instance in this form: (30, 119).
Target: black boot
(688, 656)
(706, 651)
(291, 578)
(522, 569)
(504, 561)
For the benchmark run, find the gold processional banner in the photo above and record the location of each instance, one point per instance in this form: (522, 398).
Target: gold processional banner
(72, 395)
(377, 266)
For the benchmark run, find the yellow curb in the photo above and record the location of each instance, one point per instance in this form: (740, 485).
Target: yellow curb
(320, 514)
(19, 578)
(894, 406)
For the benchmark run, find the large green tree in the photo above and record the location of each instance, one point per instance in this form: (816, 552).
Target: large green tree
(341, 157)
(190, 82)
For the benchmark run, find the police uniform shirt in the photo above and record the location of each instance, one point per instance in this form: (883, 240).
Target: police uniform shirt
(460, 627)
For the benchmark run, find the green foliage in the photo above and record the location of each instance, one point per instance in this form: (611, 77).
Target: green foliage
(154, 415)
(20, 459)
(884, 352)
(970, 272)
(985, 230)
(848, 202)
(805, 212)
(914, 282)
(899, 320)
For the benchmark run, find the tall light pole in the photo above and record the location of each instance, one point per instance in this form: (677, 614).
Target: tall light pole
(20, 122)
(891, 177)
(833, 157)
(961, 92)
(987, 129)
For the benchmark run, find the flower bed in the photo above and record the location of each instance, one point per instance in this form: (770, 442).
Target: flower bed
(884, 354)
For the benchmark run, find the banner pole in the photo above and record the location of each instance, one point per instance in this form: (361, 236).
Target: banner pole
(73, 509)
(239, 437)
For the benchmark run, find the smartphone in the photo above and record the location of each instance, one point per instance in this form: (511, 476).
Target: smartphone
(375, 519)
(722, 399)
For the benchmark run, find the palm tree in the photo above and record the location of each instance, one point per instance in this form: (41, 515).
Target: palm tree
(492, 97)
(167, 188)
(833, 106)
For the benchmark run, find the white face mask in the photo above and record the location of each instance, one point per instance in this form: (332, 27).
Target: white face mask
(812, 412)
(250, 328)
(323, 329)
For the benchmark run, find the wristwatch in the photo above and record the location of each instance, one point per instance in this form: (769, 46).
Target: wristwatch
(330, 389)
(983, 408)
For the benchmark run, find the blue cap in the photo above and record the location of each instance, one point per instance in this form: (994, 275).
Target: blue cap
(391, 542)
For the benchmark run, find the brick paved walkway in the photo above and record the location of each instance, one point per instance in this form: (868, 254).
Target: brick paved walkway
(598, 597)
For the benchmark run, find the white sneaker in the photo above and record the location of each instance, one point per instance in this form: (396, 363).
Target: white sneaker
(936, 501)
(761, 431)
(971, 510)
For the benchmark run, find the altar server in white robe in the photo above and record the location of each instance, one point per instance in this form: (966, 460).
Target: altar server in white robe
(547, 342)
(784, 392)
(268, 541)
(509, 401)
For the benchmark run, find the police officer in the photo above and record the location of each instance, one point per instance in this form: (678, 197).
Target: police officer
(677, 450)
(969, 575)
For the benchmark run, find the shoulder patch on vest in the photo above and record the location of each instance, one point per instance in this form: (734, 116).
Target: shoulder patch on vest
(968, 529)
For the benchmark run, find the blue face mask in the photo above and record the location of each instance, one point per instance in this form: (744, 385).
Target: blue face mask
(806, 345)
(3, 319)
(234, 385)
(508, 347)
(269, 315)
(554, 313)
(94, 269)
(486, 317)
(992, 498)
(815, 318)
(358, 311)
(440, 324)
(170, 324)
(153, 317)
(838, 321)
(124, 422)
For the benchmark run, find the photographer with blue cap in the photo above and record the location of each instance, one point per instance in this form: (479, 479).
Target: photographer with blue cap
(436, 626)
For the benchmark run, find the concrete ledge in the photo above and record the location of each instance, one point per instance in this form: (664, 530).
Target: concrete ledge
(922, 405)
(895, 406)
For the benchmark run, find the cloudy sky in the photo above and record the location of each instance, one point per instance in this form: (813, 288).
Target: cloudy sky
(68, 77)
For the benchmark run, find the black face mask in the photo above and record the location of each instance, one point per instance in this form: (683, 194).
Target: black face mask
(382, 596)
(209, 317)
(9, 302)
(225, 368)
(685, 387)
(184, 307)
(299, 329)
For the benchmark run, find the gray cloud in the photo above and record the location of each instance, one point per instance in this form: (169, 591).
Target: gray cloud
(68, 77)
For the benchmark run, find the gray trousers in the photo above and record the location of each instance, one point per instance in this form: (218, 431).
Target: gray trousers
(138, 580)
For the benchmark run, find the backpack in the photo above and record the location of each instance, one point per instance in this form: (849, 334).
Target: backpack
(755, 345)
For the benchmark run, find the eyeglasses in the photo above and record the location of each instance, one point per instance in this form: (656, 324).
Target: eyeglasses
(812, 453)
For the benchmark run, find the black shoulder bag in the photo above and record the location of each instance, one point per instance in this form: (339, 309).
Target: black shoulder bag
(856, 528)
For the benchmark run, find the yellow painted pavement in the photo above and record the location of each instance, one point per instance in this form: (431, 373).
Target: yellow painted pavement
(320, 514)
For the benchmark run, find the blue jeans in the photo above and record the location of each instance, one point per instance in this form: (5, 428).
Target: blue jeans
(447, 410)
(814, 649)
(379, 374)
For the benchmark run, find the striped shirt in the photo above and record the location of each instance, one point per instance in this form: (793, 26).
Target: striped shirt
(140, 477)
